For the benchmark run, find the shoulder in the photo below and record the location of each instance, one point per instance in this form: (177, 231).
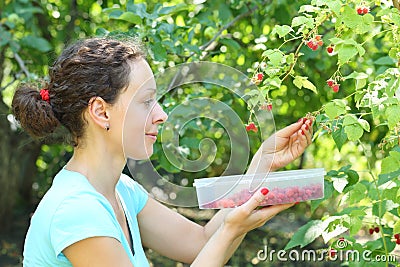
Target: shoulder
(134, 195)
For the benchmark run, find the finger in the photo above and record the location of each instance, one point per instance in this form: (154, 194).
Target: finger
(271, 211)
(306, 132)
(291, 129)
(256, 199)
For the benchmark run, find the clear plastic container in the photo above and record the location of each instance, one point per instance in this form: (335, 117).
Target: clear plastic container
(283, 186)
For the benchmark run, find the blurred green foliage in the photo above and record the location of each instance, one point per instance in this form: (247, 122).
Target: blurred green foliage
(240, 34)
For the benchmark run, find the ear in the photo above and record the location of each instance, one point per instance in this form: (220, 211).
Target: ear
(98, 111)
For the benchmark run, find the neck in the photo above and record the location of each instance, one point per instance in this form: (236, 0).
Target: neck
(101, 167)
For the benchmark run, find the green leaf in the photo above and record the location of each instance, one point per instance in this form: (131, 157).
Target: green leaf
(302, 20)
(355, 225)
(354, 132)
(384, 178)
(350, 119)
(230, 43)
(385, 61)
(364, 124)
(391, 163)
(282, 31)
(340, 137)
(352, 177)
(37, 43)
(306, 234)
(276, 58)
(357, 75)
(130, 17)
(333, 109)
(160, 53)
(309, 85)
(345, 53)
(393, 115)
(298, 82)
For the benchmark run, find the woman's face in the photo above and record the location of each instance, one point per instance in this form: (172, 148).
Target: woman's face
(139, 113)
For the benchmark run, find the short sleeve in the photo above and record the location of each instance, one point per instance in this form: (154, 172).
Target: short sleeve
(79, 217)
(133, 193)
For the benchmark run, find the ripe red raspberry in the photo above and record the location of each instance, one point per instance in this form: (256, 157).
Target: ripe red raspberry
(365, 10)
(398, 241)
(371, 231)
(315, 46)
(260, 76)
(310, 44)
(269, 107)
(376, 229)
(332, 253)
(335, 88)
(397, 236)
(330, 82)
(329, 49)
(251, 127)
(359, 11)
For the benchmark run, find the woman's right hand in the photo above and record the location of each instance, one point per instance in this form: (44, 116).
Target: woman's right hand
(237, 222)
(247, 217)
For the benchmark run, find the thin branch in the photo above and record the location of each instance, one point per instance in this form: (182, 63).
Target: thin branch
(21, 64)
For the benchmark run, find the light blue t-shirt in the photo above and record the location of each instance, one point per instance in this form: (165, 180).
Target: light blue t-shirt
(72, 210)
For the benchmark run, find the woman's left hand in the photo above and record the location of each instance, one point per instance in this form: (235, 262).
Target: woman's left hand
(283, 147)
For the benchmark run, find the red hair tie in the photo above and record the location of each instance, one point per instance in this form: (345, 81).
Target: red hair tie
(44, 93)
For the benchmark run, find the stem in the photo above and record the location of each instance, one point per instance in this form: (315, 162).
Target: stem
(296, 53)
(380, 204)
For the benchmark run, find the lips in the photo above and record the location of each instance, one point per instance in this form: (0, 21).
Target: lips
(152, 136)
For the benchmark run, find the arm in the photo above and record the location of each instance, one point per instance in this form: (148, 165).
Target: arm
(97, 251)
(237, 223)
(184, 239)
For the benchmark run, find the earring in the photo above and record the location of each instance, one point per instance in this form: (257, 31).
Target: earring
(107, 127)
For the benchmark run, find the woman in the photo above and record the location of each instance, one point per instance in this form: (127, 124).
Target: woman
(94, 216)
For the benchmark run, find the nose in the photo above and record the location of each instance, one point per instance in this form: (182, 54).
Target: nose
(159, 116)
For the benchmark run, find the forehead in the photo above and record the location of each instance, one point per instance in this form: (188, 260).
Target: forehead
(141, 77)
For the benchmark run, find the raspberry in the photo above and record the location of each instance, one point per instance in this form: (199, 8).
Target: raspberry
(329, 49)
(365, 10)
(318, 37)
(260, 76)
(320, 43)
(330, 82)
(397, 236)
(371, 231)
(251, 127)
(376, 229)
(315, 46)
(398, 241)
(359, 11)
(310, 44)
(269, 107)
(332, 252)
(335, 88)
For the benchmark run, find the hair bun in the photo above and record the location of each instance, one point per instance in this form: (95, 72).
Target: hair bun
(33, 112)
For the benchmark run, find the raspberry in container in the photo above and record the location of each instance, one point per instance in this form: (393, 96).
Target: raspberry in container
(284, 187)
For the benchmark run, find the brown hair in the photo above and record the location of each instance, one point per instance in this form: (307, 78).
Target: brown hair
(86, 69)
